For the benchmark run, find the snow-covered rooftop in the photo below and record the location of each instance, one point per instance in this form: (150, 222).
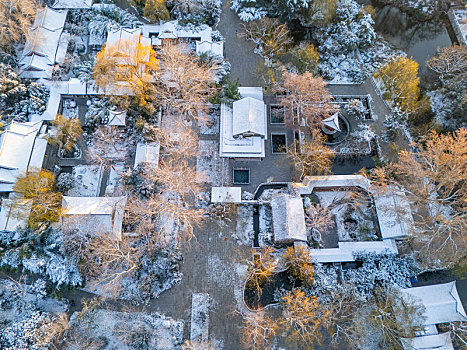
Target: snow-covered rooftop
(45, 45)
(392, 208)
(226, 194)
(14, 214)
(72, 4)
(441, 301)
(94, 214)
(147, 153)
(429, 342)
(288, 219)
(394, 214)
(117, 118)
(172, 30)
(332, 122)
(20, 150)
(249, 117)
(229, 146)
(346, 250)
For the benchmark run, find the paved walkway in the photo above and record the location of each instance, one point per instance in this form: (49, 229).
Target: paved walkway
(238, 51)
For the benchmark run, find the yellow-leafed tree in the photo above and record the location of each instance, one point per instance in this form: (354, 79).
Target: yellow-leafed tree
(156, 10)
(68, 132)
(303, 317)
(36, 190)
(400, 80)
(298, 261)
(127, 67)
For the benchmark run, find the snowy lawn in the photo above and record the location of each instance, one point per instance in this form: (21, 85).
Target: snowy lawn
(87, 180)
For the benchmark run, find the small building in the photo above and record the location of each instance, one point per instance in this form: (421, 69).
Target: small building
(94, 215)
(429, 342)
(46, 44)
(21, 149)
(147, 153)
(14, 214)
(200, 37)
(226, 195)
(243, 128)
(117, 118)
(288, 219)
(441, 301)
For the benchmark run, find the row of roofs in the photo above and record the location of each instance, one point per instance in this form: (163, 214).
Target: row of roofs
(47, 42)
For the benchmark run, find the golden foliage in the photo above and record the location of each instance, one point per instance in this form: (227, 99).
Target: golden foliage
(124, 66)
(36, 190)
(303, 317)
(307, 58)
(401, 82)
(156, 10)
(261, 269)
(298, 261)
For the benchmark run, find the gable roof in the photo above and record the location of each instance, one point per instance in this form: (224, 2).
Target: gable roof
(51, 19)
(441, 301)
(429, 342)
(42, 44)
(249, 117)
(288, 218)
(16, 152)
(95, 215)
(90, 205)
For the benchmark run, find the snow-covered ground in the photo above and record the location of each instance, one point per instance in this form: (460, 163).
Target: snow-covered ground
(199, 330)
(87, 181)
(211, 165)
(211, 127)
(244, 232)
(136, 330)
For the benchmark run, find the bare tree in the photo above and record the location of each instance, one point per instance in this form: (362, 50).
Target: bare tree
(319, 220)
(261, 269)
(449, 61)
(270, 36)
(433, 175)
(305, 98)
(258, 331)
(107, 146)
(311, 157)
(185, 83)
(107, 261)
